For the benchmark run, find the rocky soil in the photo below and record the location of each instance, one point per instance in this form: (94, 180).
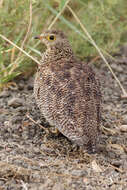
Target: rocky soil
(33, 158)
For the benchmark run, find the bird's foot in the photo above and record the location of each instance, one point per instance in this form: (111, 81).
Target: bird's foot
(54, 131)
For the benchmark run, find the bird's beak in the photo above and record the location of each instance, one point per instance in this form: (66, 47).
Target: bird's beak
(39, 37)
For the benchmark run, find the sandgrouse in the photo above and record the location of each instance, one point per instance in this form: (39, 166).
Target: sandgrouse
(67, 91)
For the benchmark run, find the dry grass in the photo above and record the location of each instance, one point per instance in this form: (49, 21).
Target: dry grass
(15, 67)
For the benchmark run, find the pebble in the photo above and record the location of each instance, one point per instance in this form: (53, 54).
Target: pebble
(4, 94)
(124, 50)
(21, 86)
(86, 181)
(15, 102)
(117, 68)
(58, 186)
(21, 109)
(115, 149)
(16, 119)
(117, 163)
(125, 119)
(78, 173)
(123, 128)
(30, 87)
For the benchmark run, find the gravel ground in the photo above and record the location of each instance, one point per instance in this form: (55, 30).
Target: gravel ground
(32, 158)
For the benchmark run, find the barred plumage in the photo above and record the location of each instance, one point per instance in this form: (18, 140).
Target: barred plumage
(67, 91)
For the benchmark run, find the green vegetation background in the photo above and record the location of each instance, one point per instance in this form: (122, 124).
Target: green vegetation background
(105, 20)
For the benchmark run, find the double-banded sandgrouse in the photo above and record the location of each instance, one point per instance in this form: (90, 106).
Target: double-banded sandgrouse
(67, 91)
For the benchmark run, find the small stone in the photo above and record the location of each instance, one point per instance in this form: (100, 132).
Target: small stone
(78, 173)
(16, 119)
(30, 84)
(21, 86)
(4, 94)
(58, 186)
(124, 119)
(21, 109)
(117, 67)
(115, 148)
(96, 167)
(124, 50)
(86, 180)
(123, 157)
(7, 123)
(30, 87)
(15, 102)
(123, 128)
(117, 163)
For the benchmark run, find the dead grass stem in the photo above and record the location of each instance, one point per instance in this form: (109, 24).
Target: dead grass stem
(23, 43)
(58, 15)
(98, 49)
(31, 57)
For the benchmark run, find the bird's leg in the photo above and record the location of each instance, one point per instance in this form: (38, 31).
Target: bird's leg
(54, 130)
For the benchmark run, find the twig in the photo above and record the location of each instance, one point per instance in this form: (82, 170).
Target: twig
(46, 130)
(6, 51)
(12, 54)
(20, 49)
(99, 51)
(1, 3)
(24, 185)
(118, 169)
(58, 15)
(29, 27)
(94, 59)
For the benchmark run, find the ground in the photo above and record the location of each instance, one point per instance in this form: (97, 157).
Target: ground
(34, 159)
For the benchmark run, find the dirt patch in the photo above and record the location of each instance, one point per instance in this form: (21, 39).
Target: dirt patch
(31, 158)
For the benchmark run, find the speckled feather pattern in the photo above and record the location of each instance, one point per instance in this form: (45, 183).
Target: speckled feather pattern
(68, 94)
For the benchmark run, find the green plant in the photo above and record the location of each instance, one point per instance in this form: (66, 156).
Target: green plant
(21, 20)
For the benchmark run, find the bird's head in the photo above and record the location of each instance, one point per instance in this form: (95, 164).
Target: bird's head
(53, 38)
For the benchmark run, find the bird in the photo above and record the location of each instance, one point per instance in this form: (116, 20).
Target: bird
(67, 91)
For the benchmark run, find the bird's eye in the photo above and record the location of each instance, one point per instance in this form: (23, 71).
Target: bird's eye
(51, 37)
